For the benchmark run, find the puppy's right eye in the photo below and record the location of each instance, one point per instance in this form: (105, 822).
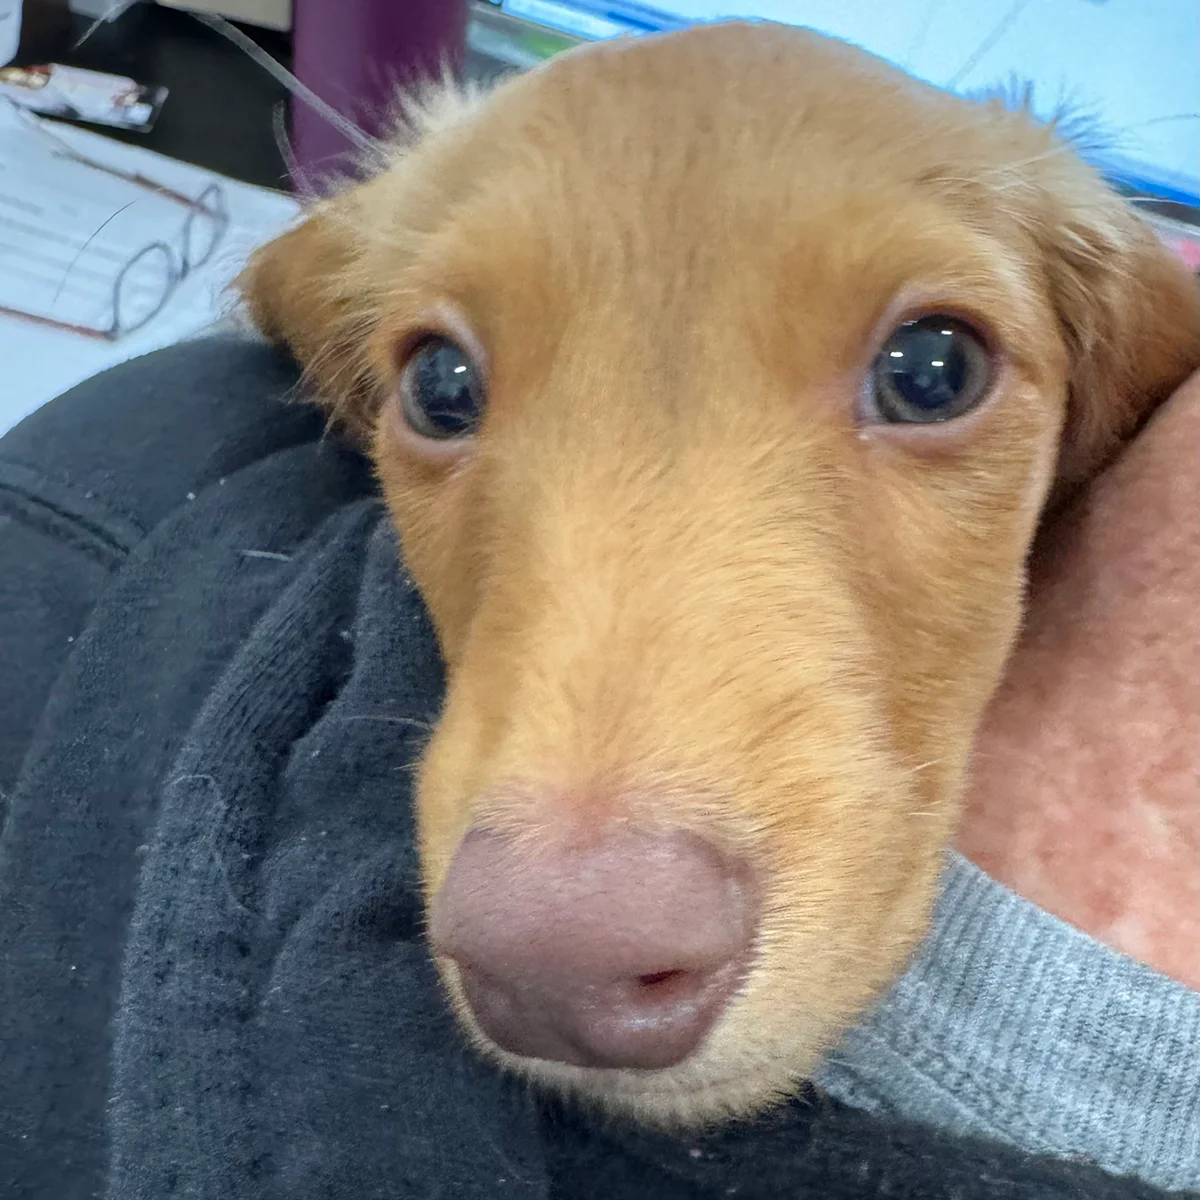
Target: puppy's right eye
(441, 393)
(931, 369)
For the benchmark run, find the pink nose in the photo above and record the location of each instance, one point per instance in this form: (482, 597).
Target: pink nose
(619, 955)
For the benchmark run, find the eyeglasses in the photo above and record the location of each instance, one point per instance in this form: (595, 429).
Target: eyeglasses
(145, 283)
(125, 290)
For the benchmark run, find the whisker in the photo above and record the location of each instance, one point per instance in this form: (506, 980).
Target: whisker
(918, 41)
(1002, 27)
(111, 13)
(282, 75)
(387, 720)
(283, 143)
(933, 762)
(91, 238)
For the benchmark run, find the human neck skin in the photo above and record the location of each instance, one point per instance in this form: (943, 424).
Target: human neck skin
(1086, 783)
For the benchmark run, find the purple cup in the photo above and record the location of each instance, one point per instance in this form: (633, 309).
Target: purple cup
(356, 55)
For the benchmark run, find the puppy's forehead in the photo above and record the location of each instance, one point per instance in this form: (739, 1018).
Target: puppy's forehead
(668, 157)
(723, 96)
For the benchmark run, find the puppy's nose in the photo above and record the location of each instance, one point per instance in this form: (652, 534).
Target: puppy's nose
(619, 955)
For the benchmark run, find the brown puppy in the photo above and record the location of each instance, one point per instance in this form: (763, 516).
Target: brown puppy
(716, 383)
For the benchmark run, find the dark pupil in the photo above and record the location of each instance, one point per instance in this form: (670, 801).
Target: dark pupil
(445, 389)
(926, 364)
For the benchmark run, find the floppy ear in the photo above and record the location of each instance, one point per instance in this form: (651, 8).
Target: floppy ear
(319, 289)
(308, 290)
(1128, 308)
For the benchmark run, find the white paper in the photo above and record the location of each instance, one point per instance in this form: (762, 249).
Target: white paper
(69, 235)
(10, 30)
(40, 362)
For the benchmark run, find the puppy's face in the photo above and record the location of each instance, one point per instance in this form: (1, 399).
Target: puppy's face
(716, 384)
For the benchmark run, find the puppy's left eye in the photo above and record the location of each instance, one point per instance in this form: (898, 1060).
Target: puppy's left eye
(932, 369)
(441, 394)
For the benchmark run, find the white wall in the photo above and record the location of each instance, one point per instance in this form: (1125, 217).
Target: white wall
(1133, 63)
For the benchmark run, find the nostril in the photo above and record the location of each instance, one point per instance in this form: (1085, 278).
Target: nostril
(624, 1023)
(619, 955)
(657, 977)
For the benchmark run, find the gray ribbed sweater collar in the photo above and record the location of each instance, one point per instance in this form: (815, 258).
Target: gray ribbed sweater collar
(1014, 1025)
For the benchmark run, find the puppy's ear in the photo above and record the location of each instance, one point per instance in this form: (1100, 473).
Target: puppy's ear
(1128, 308)
(308, 290)
(320, 288)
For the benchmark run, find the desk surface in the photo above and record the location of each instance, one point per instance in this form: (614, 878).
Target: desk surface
(219, 113)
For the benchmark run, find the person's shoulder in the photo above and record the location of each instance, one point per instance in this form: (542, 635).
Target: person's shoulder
(135, 441)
